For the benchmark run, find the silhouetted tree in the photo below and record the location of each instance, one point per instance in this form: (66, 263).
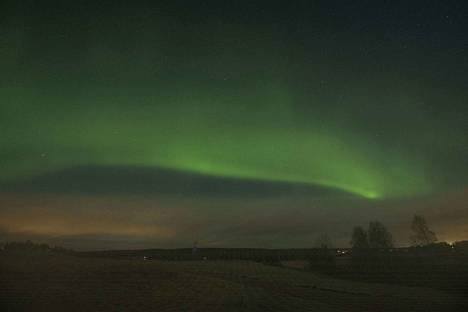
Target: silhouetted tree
(359, 238)
(421, 233)
(360, 252)
(323, 259)
(379, 236)
(324, 241)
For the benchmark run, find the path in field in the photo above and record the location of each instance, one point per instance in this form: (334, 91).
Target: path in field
(59, 283)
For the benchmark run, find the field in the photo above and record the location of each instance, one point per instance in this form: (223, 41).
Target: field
(56, 282)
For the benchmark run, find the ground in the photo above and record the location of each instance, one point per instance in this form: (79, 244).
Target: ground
(70, 283)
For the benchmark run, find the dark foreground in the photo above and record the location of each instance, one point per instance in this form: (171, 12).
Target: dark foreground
(58, 282)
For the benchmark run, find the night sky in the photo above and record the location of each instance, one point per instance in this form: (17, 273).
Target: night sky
(234, 123)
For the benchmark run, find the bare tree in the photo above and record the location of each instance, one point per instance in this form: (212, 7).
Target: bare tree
(324, 241)
(421, 233)
(359, 238)
(379, 236)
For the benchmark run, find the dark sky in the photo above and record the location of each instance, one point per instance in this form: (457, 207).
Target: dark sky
(236, 123)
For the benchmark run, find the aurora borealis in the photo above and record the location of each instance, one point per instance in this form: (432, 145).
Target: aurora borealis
(368, 101)
(261, 145)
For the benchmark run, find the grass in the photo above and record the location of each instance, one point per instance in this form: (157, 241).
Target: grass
(55, 282)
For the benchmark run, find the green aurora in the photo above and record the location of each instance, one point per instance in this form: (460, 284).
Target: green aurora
(226, 99)
(249, 136)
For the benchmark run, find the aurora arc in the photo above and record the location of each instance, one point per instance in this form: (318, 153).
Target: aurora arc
(255, 138)
(295, 96)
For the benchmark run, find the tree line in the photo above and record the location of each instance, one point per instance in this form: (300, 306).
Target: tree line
(378, 236)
